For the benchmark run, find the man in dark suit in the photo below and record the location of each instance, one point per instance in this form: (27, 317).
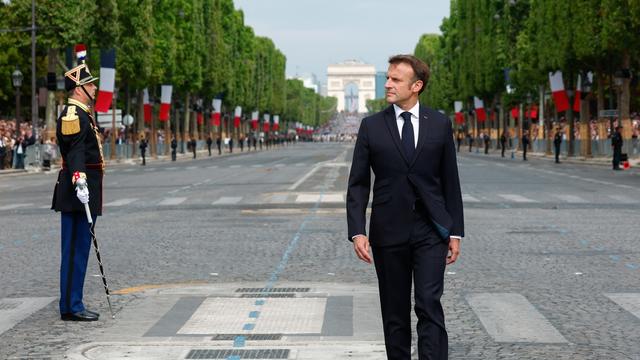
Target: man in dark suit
(82, 159)
(557, 141)
(416, 217)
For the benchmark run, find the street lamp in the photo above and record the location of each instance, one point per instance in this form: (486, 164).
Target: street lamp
(16, 78)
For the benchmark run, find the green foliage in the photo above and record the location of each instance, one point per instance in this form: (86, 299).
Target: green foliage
(482, 38)
(202, 47)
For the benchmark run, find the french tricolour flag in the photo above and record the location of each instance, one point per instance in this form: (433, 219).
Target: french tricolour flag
(559, 94)
(107, 80)
(165, 102)
(146, 106)
(236, 116)
(266, 123)
(457, 105)
(479, 106)
(254, 120)
(276, 122)
(215, 116)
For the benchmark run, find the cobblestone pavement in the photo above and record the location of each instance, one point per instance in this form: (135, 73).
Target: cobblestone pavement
(549, 267)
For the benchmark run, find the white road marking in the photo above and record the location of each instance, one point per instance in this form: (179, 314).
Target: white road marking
(14, 206)
(172, 201)
(517, 198)
(191, 167)
(628, 301)
(121, 202)
(280, 165)
(304, 178)
(235, 166)
(213, 167)
(571, 198)
(307, 198)
(14, 310)
(227, 200)
(510, 317)
(257, 166)
(623, 199)
(300, 164)
(469, 198)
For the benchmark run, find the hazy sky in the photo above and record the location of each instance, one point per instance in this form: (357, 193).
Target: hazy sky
(316, 33)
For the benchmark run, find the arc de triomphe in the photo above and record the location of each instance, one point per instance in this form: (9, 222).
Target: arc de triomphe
(340, 76)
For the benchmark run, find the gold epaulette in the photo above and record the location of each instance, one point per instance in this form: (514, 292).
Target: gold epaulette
(70, 122)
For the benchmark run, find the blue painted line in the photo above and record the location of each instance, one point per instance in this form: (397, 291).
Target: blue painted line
(259, 302)
(615, 258)
(239, 341)
(563, 231)
(234, 357)
(584, 242)
(598, 248)
(631, 266)
(292, 245)
(17, 242)
(248, 326)
(254, 314)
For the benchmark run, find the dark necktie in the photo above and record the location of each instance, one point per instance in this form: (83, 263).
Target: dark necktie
(407, 135)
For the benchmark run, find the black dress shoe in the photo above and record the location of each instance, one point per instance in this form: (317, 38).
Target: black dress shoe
(92, 312)
(80, 316)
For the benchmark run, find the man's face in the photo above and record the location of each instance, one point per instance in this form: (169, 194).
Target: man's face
(401, 84)
(91, 89)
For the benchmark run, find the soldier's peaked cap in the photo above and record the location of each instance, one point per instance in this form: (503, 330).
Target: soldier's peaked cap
(78, 76)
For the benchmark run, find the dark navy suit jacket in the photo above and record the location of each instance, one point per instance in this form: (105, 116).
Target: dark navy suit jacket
(430, 177)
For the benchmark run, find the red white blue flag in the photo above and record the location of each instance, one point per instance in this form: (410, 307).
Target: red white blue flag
(107, 80)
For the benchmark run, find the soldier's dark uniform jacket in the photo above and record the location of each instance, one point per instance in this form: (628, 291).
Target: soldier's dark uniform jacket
(81, 150)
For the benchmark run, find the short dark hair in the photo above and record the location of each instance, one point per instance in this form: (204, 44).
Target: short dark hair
(420, 68)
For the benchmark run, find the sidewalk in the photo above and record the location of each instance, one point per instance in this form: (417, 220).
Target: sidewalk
(517, 155)
(138, 160)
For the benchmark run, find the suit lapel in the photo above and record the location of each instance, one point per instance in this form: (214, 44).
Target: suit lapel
(392, 126)
(422, 133)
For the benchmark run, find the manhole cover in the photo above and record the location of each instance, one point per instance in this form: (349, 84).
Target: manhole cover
(272, 290)
(241, 354)
(248, 337)
(287, 295)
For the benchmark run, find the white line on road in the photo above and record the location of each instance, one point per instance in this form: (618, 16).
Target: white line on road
(628, 301)
(517, 198)
(571, 198)
(234, 166)
(191, 167)
(510, 317)
(121, 202)
(300, 164)
(623, 199)
(304, 178)
(257, 166)
(469, 198)
(14, 206)
(213, 167)
(227, 200)
(280, 165)
(172, 201)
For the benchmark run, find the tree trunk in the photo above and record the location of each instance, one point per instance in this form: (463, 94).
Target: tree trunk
(625, 97)
(51, 112)
(187, 112)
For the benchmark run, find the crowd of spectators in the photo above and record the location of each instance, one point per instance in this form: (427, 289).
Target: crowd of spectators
(14, 143)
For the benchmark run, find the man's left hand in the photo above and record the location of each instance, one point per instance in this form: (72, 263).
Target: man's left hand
(454, 250)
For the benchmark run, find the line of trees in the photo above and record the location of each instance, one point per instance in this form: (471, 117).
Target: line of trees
(202, 47)
(482, 40)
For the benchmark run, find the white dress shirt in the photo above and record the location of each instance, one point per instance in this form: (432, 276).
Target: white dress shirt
(415, 116)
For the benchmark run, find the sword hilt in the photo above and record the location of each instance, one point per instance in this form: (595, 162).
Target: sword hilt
(82, 183)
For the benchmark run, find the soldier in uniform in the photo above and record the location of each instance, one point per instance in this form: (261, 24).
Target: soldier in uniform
(81, 149)
(557, 142)
(616, 144)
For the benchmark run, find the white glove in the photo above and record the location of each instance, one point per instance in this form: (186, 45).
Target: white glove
(82, 192)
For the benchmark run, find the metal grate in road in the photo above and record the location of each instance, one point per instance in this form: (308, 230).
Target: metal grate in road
(248, 337)
(242, 354)
(272, 290)
(281, 295)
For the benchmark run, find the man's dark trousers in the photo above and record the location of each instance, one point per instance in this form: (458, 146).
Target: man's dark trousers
(557, 151)
(422, 259)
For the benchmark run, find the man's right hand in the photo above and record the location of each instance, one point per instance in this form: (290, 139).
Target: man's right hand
(361, 247)
(82, 192)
